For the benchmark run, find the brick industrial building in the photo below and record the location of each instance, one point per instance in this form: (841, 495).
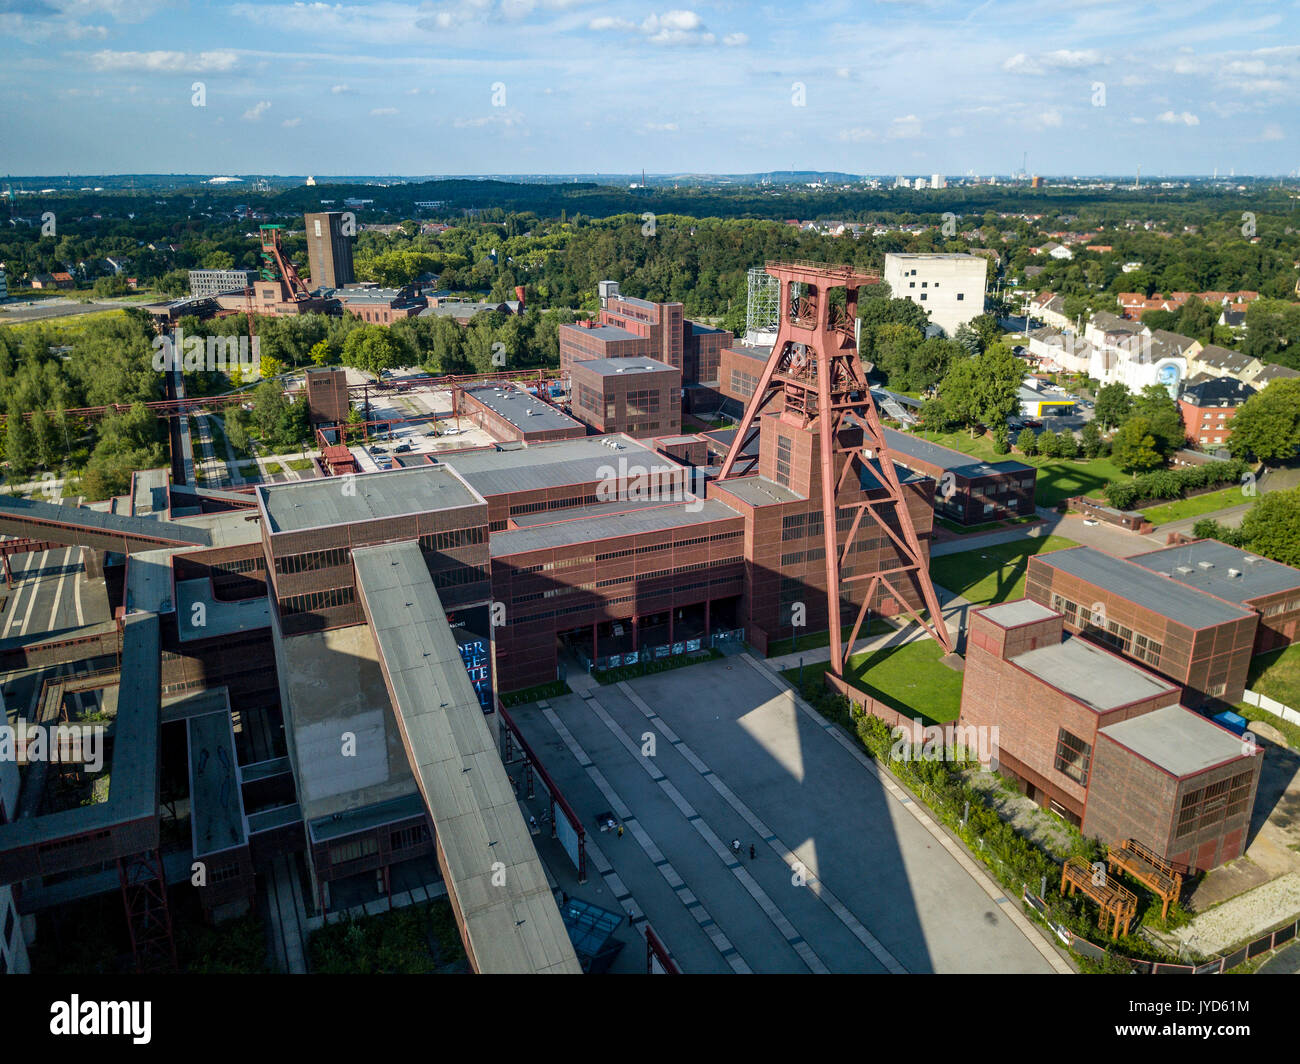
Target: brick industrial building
(639, 396)
(1201, 642)
(629, 327)
(1104, 743)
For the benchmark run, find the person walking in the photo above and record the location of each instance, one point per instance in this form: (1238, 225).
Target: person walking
(620, 831)
(735, 847)
(752, 854)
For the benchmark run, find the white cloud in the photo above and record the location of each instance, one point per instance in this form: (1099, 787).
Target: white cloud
(1185, 118)
(672, 27)
(661, 127)
(858, 133)
(289, 123)
(165, 62)
(1272, 131)
(258, 109)
(905, 128)
(377, 111)
(1061, 59)
(342, 90)
(735, 40)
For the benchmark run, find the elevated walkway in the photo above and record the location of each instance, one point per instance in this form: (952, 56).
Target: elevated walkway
(496, 882)
(78, 526)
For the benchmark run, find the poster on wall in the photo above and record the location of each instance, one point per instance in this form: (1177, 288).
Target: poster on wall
(472, 628)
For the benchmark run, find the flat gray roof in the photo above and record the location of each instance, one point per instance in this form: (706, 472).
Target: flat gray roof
(608, 526)
(363, 497)
(1090, 675)
(758, 490)
(219, 618)
(335, 685)
(607, 367)
(149, 581)
(216, 798)
(552, 464)
(1178, 602)
(1177, 739)
(149, 492)
(905, 445)
(606, 332)
(523, 410)
(515, 927)
(1256, 576)
(1017, 612)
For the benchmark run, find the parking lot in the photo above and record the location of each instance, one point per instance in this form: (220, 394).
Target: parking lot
(845, 875)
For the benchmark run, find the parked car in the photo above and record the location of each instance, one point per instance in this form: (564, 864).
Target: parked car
(401, 448)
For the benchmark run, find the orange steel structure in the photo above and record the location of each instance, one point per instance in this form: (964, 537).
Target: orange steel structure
(1147, 868)
(814, 367)
(1115, 901)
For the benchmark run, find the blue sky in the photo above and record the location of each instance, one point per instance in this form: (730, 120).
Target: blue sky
(557, 86)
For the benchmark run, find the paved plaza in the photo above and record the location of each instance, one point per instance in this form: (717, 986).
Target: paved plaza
(849, 875)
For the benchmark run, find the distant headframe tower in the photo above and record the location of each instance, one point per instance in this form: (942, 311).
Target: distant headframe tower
(329, 250)
(815, 372)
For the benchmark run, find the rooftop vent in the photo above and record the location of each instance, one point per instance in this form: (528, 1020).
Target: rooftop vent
(1250, 559)
(1206, 565)
(1184, 569)
(1234, 573)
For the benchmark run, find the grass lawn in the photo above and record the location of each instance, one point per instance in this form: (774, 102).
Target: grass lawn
(251, 473)
(298, 465)
(812, 640)
(1195, 506)
(1291, 731)
(1058, 478)
(911, 678)
(992, 574)
(1277, 674)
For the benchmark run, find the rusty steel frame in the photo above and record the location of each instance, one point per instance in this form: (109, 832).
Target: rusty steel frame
(148, 916)
(814, 365)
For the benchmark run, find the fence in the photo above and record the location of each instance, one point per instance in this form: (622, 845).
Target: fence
(1271, 705)
(1226, 962)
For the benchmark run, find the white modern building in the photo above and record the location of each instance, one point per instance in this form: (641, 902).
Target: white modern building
(949, 286)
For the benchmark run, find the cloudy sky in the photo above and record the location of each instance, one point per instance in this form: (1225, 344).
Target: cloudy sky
(562, 86)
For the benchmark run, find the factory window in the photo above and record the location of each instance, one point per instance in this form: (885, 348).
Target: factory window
(1072, 756)
(961, 296)
(783, 459)
(1214, 803)
(224, 874)
(313, 560)
(342, 852)
(406, 838)
(1147, 650)
(923, 297)
(9, 924)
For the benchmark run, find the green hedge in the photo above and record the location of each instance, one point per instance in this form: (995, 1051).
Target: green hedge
(1172, 483)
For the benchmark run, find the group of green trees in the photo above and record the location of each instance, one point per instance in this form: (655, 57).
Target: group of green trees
(1267, 425)
(979, 390)
(1149, 425)
(1271, 527)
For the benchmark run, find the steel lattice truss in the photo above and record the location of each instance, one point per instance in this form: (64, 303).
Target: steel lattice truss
(814, 367)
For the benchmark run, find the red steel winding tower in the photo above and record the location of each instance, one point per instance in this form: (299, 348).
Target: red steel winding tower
(815, 371)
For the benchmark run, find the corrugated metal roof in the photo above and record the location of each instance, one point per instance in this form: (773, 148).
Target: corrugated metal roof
(1255, 576)
(512, 926)
(549, 465)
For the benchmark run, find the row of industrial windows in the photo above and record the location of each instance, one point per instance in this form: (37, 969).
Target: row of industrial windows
(602, 603)
(645, 401)
(316, 601)
(554, 504)
(588, 398)
(1112, 633)
(669, 572)
(811, 523)
(717, 538)
(368, 845)
(1213, 804)
(313, 560)
(239, 565)
(459, 576)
